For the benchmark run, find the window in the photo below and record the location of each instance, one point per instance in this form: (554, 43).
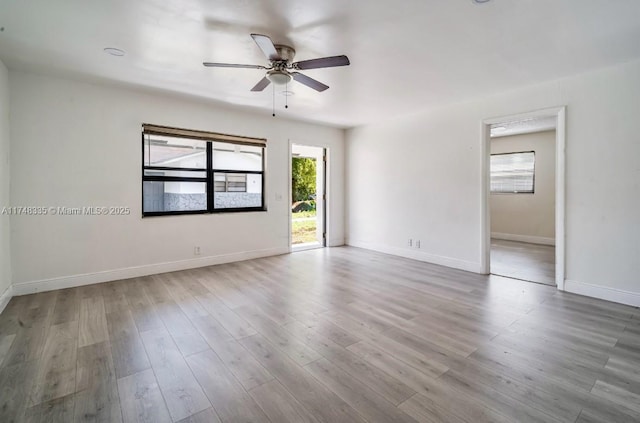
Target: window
(186, 172)
(513, 172)
(230, 182)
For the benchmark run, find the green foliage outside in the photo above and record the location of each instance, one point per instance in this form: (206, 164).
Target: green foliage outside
(303, 178)
(303, 231)
(303, 206)
(303, 214)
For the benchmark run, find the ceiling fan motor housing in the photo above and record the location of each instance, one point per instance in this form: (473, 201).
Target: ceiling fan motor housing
(279, 74)
(286, 53)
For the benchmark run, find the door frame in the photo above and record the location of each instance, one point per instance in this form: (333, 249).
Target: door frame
(325, 188)
(560, 212)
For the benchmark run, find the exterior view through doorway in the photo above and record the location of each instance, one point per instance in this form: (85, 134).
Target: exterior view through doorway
(308, 198)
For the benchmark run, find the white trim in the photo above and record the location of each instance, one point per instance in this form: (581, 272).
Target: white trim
(31, 287)
(485, 217)
(420, 256)
(561, 140)
(531, 239)
(327, 200)
(603, 293)
(526, 115)
(290, 196)
(6, 297)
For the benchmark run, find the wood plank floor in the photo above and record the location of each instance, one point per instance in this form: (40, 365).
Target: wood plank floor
(329, 335)
(521, 260)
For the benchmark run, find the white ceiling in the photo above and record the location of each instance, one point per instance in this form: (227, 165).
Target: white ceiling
(406, 55)
(524, 126)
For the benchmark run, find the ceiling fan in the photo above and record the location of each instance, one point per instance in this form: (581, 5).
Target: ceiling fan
(281, 57)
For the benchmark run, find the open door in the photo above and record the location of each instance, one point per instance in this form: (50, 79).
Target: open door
(308, 197)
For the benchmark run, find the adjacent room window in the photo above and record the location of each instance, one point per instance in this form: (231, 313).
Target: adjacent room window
(513, 173)
(186, 171)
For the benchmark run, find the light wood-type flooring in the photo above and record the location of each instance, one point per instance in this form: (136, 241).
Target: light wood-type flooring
(328, 335)
(521, 260)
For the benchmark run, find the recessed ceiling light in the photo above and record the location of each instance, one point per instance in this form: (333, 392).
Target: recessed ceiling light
(480, 1)
(114, 51)
(288, 93)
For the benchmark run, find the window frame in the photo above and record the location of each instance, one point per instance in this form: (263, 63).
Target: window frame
(533, 177)
(209, 138)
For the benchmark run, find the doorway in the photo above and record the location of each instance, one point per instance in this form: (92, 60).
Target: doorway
(308, 197)
(523, 201)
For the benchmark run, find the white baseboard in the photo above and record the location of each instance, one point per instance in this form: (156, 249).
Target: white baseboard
(24, 288)
(419, 255)
(531, 239)
(5, 297)
(603, 292)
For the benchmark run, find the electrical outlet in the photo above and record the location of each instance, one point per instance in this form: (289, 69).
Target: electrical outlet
(410, 242)
(418, 244)
(196, 251)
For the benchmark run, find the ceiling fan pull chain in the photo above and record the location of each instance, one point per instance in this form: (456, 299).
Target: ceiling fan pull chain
(274, 101)
(286, 95)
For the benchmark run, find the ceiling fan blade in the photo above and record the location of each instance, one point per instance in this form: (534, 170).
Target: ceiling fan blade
(323, 62)
(264, 83)
(232, 65)
(266, 45)
(309, 82)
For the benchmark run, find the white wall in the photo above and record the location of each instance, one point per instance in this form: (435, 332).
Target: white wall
(77, 144)
(420, 176)
(5, 256)
(527, 217)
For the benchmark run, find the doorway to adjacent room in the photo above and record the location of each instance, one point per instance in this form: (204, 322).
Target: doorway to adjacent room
(524, 197)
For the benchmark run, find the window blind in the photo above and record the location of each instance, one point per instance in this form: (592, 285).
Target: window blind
(201, 135)
(513, 172)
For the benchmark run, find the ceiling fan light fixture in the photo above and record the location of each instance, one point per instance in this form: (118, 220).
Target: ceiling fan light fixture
(278, 77)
